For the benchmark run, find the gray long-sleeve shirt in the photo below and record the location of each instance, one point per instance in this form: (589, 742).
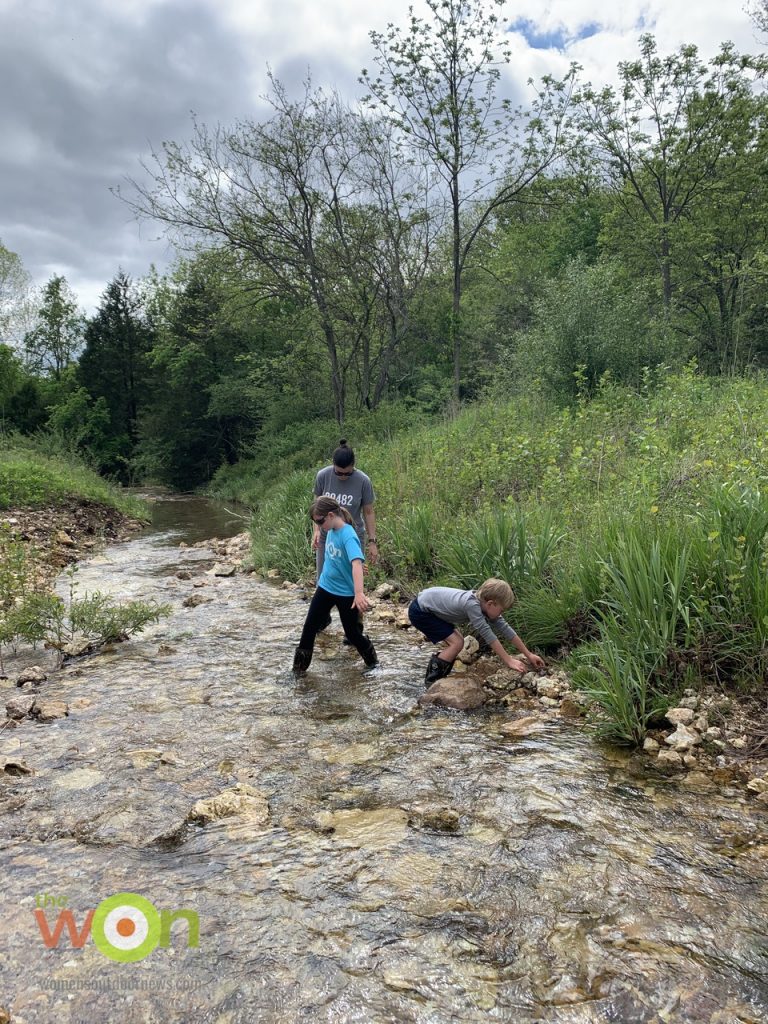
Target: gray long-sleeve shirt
(462, 606)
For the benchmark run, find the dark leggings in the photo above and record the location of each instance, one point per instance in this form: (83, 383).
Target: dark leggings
(319, 610)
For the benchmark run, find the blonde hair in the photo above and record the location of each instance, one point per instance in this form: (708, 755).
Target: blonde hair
(497, 591)
(322, 506)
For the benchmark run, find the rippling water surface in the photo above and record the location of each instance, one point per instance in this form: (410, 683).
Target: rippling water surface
(579, 887)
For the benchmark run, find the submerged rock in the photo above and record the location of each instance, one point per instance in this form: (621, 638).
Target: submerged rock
(434, 818)
(49, 710)
(242, 800)
(520, 727)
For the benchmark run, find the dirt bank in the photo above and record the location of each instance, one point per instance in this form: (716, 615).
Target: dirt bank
(61, 534)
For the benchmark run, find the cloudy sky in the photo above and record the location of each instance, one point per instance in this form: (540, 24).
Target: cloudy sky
(89, 87)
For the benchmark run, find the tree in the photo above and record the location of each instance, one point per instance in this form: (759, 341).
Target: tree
(113, 365)
(758, 12)
(439, 81)
(292, 199)
(14, 296)
(663, 141)
(55, 339)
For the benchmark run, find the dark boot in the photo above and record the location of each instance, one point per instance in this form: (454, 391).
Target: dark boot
(346, 641)
(368, 654)
(436, 669)
(302, 659)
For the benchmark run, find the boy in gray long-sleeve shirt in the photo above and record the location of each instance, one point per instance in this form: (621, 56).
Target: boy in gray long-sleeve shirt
(438, 610)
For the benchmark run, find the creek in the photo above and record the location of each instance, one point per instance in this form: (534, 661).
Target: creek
(580, 886)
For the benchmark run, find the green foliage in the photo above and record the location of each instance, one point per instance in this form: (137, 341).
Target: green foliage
(30, 613)
(591, 324)
(500, 544)
(88, 622)
(281, 530)
(30, 478)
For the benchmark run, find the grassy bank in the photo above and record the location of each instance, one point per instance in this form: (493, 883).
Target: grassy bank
(634, 529)
(29, 478)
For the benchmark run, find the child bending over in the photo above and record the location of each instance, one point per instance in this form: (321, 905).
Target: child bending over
(437, 611)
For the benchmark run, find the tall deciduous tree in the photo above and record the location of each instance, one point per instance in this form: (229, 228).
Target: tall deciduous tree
(291, 197)
(440, 81)
(54, 341)
(663, 140)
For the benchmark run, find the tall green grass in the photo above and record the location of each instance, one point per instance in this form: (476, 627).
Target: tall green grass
(633, 528)
(32, 478)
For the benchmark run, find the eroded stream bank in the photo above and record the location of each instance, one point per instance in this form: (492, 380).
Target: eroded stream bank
(578, 888)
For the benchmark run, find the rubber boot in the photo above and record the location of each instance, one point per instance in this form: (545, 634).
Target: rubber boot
(436, 669)
(302, 659)
(368, 654)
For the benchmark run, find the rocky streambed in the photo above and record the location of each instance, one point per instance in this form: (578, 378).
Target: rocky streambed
(352, 850)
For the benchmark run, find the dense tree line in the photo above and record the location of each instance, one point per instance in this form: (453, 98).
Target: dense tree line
(359, 264)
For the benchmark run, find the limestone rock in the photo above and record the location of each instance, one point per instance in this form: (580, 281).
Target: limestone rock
(520, 727)
(144, 758)
(62, 537)
(469, 653)
(224, 569)
(19, 707)
(33, 674)
(570, 708)
(669, 758)
(194, 600)
(49, 710)
(680, 716)
(434, 818)
(461, 694)
(384, 590)
(13, 766)
(758, 785)
(650, 746)
(546, 687)
(242, 800)
(682, 739)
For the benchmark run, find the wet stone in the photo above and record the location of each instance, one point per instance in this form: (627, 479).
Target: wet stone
(460, 694)
(434, 818)
(33, 674)
(49, 710)
(19, 707)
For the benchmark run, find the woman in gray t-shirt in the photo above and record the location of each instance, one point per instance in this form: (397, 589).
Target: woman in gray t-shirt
(353, 490)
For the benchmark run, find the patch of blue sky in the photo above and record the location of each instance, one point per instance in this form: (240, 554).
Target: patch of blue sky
(556, 39)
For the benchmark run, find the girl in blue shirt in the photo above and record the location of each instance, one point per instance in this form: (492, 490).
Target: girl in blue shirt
(340, 584)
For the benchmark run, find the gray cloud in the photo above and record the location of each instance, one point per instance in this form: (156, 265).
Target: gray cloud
(92, 92)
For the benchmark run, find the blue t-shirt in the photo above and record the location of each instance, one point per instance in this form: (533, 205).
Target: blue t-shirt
(341, 546)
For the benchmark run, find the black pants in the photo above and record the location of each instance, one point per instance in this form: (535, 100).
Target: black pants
(319, 610)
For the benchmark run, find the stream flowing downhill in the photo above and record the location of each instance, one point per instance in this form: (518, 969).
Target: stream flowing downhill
(579, 887)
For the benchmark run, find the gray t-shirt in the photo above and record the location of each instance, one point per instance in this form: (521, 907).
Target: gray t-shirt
(462, 606)
(351, 492)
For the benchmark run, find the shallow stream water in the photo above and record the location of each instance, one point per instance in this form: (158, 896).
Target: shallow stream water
(579, 887)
